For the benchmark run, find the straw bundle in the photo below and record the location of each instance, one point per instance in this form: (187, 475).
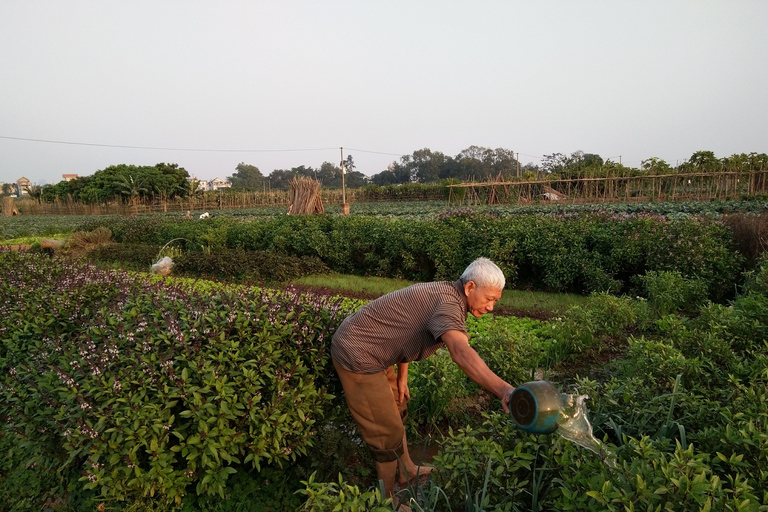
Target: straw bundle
(9, 207)
(305, 196)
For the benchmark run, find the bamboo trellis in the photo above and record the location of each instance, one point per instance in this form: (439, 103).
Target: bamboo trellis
(661, 187)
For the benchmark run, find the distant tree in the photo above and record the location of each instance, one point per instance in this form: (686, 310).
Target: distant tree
(576, 165)
(356, 179)
(247, 177)
(655, 165)
(504, 163)
(556, 163)
(396, 174)
(132, 188)
(426, 165)
(281, 178)
(592, 160)
(702, 161)
(110, 184)
(35, 192)
(474, 163)
(349, 164)
(329, 175)
(757, 161)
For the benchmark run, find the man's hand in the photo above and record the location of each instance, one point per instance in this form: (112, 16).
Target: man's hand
(505, 399)
(402, 383)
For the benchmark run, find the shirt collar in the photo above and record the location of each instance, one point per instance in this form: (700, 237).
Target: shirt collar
(460, 288)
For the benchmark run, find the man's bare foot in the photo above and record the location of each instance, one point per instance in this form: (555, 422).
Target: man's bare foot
(414, 474)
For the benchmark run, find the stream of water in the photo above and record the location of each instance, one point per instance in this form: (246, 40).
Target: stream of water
(573, 424)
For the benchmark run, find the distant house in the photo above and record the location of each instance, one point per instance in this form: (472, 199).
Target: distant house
(23, 184)
(202, 185)
(218, 183)
(69, 177)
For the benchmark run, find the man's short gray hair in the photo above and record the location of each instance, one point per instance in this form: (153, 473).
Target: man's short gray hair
(484, 273)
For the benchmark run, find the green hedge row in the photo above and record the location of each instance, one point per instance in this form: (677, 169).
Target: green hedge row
(150, 388)
(578, 254)
(236, 264)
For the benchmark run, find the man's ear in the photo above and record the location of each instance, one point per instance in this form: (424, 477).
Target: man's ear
(469, 286)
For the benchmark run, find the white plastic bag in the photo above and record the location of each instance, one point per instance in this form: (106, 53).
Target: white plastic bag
(163, 266)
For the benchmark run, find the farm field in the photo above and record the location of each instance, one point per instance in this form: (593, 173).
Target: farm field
(209, 388)
(12, 227)
(150, 393)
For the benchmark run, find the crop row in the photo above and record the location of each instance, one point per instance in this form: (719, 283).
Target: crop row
(52, 224)
(579, 254)
(149, 387)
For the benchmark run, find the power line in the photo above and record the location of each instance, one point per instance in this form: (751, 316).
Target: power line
(375, 152)
(165, 149)
(215, 150)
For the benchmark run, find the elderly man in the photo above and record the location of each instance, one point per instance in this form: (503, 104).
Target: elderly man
(403, 326)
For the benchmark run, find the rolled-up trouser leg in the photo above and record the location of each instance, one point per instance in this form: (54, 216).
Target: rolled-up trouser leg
(372, 401)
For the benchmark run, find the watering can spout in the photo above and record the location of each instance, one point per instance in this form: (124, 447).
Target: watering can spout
(535, 407)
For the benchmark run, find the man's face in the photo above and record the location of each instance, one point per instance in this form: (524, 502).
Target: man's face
(480, 300)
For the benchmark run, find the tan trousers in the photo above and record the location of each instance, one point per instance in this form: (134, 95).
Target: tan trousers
(372, 399)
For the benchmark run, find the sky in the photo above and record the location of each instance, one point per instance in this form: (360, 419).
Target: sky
(207, 85)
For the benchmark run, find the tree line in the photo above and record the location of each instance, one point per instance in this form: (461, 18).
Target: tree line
(165, 181)
(129, 183)
(477, 163)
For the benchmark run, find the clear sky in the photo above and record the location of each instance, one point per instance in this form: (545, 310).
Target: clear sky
(634, 79)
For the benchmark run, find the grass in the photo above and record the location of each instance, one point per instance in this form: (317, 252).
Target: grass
(377, 285)
(28, 240)
(517, 299)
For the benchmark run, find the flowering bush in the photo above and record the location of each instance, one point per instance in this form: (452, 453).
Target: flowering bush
(149, 387)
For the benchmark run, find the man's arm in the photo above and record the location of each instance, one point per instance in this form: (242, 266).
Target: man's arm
(475, 368)
(402, 382)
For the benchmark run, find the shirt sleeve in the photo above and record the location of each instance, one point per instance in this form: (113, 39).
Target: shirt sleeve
(448, 315)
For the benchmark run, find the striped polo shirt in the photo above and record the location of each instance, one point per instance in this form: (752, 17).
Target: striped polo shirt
(400, 327)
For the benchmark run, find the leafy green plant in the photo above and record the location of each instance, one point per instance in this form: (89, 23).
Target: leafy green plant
(436, 382)
(131, 256)
(150, 389)
(254, 266)
(341, 496)
(670, 292)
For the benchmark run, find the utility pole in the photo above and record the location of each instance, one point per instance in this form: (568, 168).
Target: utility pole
(344, 204)
(517, 159)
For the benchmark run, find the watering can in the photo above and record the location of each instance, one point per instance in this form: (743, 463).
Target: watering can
(535, 407)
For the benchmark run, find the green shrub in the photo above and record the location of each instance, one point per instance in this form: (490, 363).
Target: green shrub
(582, 253)
(670, 292)
(134, 256)
(128, 230)
(150, 389)
(510, 349)
(587, 328)
(757, 279)
(342, 497)
(256, 266)
(436, 383)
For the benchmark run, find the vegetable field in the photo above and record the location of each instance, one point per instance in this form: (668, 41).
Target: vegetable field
(164, 394)
(125, 391)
